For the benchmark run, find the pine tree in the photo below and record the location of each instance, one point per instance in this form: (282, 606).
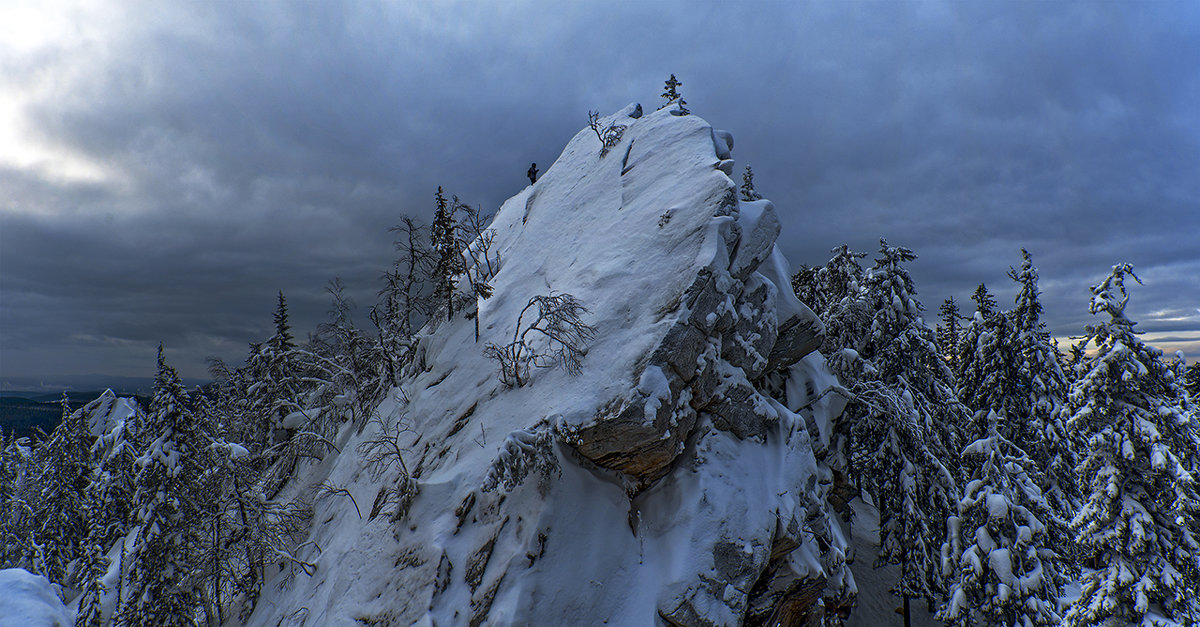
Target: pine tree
(282, 340)
(972, 372)
(1002, 570)
(748, 192)
(62, 513)
(906, 425)
(447, 252)
(162, 579)
(671, 91)
(1192, 382)
(1138, 525)
(91, 576)
(1041, 390)
(16, 509)
(949, 332)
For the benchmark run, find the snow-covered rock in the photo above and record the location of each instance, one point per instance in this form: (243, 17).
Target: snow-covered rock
(107, 411)
(29, 600)
(662, 483)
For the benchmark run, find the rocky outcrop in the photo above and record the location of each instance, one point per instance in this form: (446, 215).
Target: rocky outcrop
(665, 484)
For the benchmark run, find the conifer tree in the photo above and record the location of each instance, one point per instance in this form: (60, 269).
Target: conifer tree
(748, 192)
(1138, 524)
(949, 331)
(16, 508)
(976, 338)
(282, 340)
(1040, 393)
(62, 513)
(1001, 568)
(671, 91)
(447, 252)
(906, 425)
(1192, 382)
(91, 575)
(162, 582)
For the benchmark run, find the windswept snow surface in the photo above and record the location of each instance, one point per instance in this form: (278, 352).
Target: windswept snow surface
(574, 543)
(29, 600)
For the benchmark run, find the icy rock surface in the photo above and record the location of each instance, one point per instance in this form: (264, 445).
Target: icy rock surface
(664, 484)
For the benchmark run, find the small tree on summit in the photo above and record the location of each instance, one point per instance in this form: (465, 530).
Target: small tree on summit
(671, 90)
(748, 192)
(672, 96)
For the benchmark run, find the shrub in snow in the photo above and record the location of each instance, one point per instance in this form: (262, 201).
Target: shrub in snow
(609, 136)
(557, 336)
(998, 563)
(383, 455)
(524, 452)
(1140, 518)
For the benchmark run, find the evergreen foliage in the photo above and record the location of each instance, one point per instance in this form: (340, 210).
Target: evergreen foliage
(444, 241)
(282, 341)
(1138, 524)
(949, 332)
(748, 192)
(1040, 394)
(671, 91)
(162, 579)
(61, 513)
(999, 563)
(904, 418)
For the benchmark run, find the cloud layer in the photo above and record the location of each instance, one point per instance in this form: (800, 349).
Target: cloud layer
(169, 167)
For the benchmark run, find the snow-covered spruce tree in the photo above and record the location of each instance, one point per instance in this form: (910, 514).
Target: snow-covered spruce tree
(949, 332)
(62, 513)
(16, 502)
(1138, 524)
(447, 251)
(970, 373)
(837, 284)
(749, 194)
(905, 425)
(1041, 391)
(998, 562)
(162, 585)
(92, 568)
(990, 376)
(1192, 382)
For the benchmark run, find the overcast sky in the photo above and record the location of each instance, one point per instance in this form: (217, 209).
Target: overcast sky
(166, 168)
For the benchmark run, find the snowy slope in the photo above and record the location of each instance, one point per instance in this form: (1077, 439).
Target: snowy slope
(661, 484)
(28, 600)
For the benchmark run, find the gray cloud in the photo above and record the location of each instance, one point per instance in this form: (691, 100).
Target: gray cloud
(254, 147)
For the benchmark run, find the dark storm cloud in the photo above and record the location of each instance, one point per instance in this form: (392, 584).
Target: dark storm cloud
(253, 147)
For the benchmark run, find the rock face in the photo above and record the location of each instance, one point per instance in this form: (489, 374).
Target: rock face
(664, 484)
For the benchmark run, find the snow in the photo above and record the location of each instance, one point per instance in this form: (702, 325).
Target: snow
(877, 607)
(107, 412)
(573, 543)
(29, 600)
